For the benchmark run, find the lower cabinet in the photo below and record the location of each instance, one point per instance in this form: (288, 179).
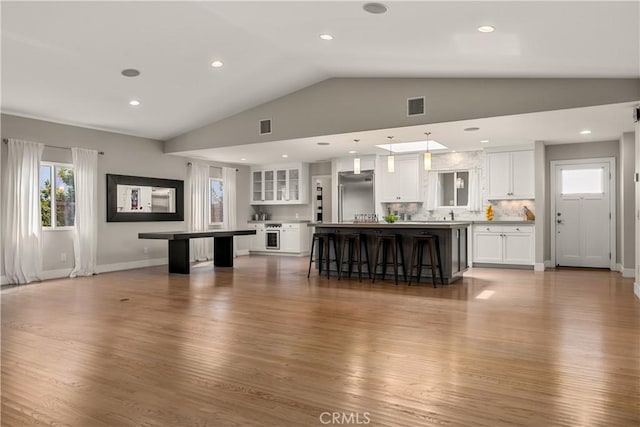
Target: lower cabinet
(290, 238)
(258, 239)
(293, 239)
(506, 245)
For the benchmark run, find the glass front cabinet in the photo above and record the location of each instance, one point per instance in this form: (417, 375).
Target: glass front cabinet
(280, 184)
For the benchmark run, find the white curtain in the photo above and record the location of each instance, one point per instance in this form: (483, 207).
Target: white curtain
(229, 201)
(198, 179)
(475, 191)
(21, 217)
(85, 231)
(433, 191)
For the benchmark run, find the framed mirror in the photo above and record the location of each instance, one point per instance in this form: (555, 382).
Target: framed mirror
(135, 199)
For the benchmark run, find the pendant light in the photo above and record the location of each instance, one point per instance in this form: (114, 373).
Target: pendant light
(427, 155)
(356, 161)
(391, 159)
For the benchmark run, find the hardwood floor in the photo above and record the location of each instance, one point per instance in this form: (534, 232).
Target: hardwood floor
(262, 345)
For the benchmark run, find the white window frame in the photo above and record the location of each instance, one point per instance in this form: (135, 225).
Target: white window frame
(211, 223)
(455, 193)
(53, 226)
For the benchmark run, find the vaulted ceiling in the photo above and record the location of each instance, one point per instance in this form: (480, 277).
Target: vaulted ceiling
(61, 61)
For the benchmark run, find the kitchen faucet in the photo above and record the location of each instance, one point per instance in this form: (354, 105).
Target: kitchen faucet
(451, 213)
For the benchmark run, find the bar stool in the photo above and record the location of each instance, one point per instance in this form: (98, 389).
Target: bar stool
(324, 243)
(417, 252)
(351, 243)
(386, 242)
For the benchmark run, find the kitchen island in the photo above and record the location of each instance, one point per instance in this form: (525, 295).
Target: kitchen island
(452, 235)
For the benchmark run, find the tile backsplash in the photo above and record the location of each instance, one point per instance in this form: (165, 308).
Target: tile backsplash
(503, 209)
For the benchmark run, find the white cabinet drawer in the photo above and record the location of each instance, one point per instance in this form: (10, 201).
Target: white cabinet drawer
(517, 229)
(488, 228)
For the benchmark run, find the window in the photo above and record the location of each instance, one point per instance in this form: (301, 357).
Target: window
(57, 195)
(216, 199)
(583, 181)
(454, 189)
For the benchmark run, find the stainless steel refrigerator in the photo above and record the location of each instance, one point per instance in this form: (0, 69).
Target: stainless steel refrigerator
(355, 195)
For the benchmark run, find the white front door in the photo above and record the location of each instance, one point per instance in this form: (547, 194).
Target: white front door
(583, 214)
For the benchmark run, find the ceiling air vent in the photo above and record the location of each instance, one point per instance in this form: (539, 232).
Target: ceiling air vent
(265, 126)
(415, 106)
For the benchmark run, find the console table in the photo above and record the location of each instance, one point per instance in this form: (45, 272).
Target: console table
(179, 246)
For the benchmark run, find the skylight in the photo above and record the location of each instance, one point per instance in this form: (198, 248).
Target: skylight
(406, 147)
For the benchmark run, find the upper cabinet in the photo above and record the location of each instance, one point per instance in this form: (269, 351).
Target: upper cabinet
(403, 185)
(510, 175)
(280, 184)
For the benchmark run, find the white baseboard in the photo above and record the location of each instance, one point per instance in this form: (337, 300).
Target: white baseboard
(242, 252)
(64, 272)
(636, 289)
(547, 264)
(56, 274)
(539, 266)
(628, 272)
(105, 268)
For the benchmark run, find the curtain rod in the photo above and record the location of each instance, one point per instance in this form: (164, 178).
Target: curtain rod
(6, 141)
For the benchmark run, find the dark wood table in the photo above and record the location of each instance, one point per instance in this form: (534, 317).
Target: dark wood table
(179, 246)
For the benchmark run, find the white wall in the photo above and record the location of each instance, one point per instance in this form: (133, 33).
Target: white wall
(627, 203)
(118, 243)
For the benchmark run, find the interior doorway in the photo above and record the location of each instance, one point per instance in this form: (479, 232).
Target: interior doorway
(583, 213)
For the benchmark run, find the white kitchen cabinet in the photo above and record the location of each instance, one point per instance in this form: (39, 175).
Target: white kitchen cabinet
(257, 240)
(403, 185)
(507, 244)
(510, 175)
(290, 238)
(280, 184)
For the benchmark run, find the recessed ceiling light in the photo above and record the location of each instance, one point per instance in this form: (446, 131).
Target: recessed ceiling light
(130, 72)
(322, 143)
(352, 152)
(134, 102)
(243, 159)
(486, 29)
(326, 36)
(217, 64)
(585, 132)
(471, 129)
(375, 8)
(285, 155)
(484, 141)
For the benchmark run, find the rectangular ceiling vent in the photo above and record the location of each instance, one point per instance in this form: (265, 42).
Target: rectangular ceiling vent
(265, 127)
(415, 106)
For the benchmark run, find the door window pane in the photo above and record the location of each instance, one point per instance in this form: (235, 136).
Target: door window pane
(582, 181)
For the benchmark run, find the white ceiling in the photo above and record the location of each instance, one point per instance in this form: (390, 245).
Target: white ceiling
(606, 122)
(61, 61)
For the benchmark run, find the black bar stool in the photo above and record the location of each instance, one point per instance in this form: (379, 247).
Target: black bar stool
(386, 242)
(432, 243)
(350, 243)
(324, 244)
